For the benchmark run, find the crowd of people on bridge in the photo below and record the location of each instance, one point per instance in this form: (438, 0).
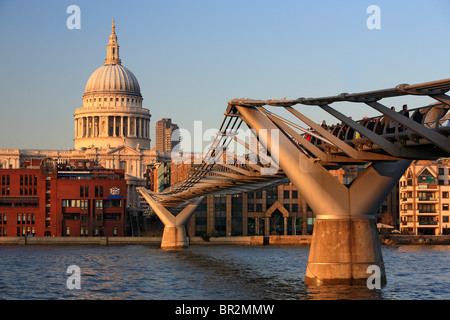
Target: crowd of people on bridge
(429, 116)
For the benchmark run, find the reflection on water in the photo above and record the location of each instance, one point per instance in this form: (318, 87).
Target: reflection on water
(208, 273)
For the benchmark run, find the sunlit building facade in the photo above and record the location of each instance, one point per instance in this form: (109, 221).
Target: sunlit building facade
(62, 198)
(424, 198)
(111, 128)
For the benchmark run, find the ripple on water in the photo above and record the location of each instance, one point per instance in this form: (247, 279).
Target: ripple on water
(208, 272)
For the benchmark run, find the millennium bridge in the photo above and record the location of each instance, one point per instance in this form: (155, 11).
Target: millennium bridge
(345, 239)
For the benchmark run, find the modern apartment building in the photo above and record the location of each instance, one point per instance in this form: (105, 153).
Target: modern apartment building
(424, 198)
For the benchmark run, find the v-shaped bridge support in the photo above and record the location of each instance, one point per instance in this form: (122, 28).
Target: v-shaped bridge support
(345, 239)
(174, 235)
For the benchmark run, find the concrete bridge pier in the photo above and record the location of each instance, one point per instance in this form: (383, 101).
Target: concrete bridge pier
(342, 251)
(345, 239)
(174, 235)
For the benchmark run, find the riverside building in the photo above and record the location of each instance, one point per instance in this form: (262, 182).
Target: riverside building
(424, 198)
(111, 128)
(62, 198)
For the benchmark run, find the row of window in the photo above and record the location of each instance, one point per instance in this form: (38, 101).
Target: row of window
(28, 180)
(5, 180)
(84, 191)
(445, 219)
(425, 208)
(424, 180)
(22, 218)
(110, 99)
(424, 195)
(25, 218)
(258, 207)
(28, 191)
(273, 194)
(84, 231)
(84, 204)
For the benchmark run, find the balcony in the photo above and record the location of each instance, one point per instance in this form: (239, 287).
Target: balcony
(428, 223)
(427, 186)
(432, 211)
(428, 199)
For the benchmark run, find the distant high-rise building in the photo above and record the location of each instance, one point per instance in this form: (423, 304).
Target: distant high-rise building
(166, 139)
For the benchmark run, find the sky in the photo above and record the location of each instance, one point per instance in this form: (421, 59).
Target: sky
(191, 57)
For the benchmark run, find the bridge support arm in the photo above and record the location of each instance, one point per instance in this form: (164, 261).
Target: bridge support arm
(174, 235)
(345, 238)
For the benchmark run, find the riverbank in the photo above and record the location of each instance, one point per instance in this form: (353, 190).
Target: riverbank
(236, 240)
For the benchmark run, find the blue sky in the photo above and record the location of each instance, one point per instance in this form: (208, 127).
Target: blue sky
(191, 57)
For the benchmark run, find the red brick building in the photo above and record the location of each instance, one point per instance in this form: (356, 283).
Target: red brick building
(69, 198)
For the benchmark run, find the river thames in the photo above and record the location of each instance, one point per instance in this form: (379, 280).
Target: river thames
(220, 272)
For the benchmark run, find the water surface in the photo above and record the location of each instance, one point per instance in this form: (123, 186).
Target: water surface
(208, 273)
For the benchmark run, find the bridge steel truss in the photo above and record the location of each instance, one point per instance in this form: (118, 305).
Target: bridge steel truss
(345, 239)
(220, 172)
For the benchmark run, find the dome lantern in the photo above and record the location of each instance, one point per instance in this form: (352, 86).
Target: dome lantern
(112, 54)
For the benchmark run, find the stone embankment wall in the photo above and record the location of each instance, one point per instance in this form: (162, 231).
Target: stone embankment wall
(236, 240)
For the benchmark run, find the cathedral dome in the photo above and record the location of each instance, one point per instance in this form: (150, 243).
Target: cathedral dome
(112, 78)
(112, 115)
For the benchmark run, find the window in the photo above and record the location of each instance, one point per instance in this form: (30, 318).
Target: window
(19, 218)
(445, 219)
(101, 191)
(445, 206)
(114, 231)
(258, 207)
(294, 194)
(445, 194)
(86, 191)
(250, 207)
(84, 204)
(426, 177)
(71, 203)
(294, 207)
(112, 203)
(286, 194)
(98, 204)
(81, 191)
